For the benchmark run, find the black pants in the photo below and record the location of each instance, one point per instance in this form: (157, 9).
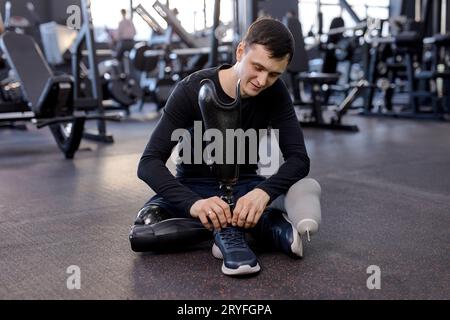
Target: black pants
(206, 188)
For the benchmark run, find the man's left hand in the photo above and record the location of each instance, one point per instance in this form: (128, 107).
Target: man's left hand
(249, 208)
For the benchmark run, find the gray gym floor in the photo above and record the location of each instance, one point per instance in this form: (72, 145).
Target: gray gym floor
(385, 202)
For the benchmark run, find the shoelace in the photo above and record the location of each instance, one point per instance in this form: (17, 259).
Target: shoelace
(233, 238)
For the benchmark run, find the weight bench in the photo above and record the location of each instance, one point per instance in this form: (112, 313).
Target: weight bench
(299, 73)
(50, 97)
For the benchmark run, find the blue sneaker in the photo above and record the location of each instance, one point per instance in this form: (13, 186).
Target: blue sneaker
(275, 231)
(238, 258)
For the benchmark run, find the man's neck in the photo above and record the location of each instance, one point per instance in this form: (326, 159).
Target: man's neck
(228, 80)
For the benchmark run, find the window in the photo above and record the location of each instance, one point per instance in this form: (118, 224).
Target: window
(195, 15)
(331, 9)
(106, 13)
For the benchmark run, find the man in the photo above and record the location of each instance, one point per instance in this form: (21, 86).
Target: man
(125, 35)
(261, 58)
(2, 25)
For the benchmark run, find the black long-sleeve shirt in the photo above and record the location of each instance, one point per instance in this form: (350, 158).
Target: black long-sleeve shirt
(271, 108)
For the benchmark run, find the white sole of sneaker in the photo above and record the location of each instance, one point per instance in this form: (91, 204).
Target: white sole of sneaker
(297, 245)
(245, 269)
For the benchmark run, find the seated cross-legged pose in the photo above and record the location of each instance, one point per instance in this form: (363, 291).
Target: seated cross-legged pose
(190, 207)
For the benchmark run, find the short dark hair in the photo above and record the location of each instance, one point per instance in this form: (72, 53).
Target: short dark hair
(272, 34)
(123, 11)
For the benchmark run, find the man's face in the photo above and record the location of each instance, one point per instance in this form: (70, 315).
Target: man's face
(256, 69)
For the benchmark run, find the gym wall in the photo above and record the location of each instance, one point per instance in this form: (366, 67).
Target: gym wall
(58, 9)
(277, 9)
(47, 10)
(19, 8)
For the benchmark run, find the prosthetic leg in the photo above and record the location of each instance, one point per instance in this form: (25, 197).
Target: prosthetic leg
(155, 230)
(290, 216)
(221, 116)
(302, 204)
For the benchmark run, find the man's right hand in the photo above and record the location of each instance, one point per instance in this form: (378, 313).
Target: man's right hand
(212, 212)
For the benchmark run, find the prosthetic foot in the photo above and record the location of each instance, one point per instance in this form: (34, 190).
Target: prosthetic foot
(302, 204)
(155, 230)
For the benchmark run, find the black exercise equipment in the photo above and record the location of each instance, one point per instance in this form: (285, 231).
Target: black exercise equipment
(163, 62)
(122, 47)
(437, 69)
(330, 60)
(196, 50)
(214, 55)
(11, 103)
(119, 85)
(10, 91)
(49, 97)
(408, 72)
(89, 99)
(417, 62)
(119, 88)
(154, 62)
(316, 119)
(346, 6)
(320, 82)
(173, 22)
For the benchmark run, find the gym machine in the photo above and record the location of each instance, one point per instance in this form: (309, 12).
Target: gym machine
(162, 63)
(91, 98)
(153, 62)
(413, 62)
(47, 98)
(320, 82)
(94, 102)
(118, 88)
